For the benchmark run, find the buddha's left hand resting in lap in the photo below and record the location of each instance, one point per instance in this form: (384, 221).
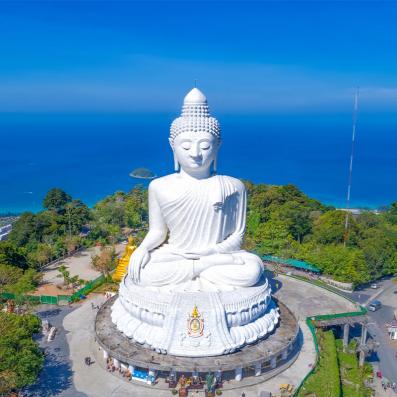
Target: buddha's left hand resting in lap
(196, 219)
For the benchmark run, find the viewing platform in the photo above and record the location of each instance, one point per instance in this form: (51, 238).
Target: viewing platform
(280, 347)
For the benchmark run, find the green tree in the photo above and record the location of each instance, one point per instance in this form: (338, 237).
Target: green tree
(69, 280)
(23, 230)
(345, 264)
(329, 228)
(391, 265)
(12, 256)
(56, 200)
(77, 214)
(118, 211)
(20, 357)
(27, 282)
(8, 275)
(273, 237)
(105, 261)
(17, 281)
(391, 213)
(297, 217)
(43, 254)
(379, 250)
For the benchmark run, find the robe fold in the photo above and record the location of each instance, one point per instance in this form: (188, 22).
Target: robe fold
(210, 213)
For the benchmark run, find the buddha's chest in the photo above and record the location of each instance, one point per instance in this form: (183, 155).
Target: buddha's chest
(196, 206)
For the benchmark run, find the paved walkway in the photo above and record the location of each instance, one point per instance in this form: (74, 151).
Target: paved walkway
(302, 298)
(57, 377)
(305, 299)
(78, 264)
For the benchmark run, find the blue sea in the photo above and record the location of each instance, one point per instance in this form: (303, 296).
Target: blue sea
(91, 155)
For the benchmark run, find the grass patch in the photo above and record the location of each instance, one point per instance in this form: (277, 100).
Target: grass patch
(324, 381)
(351, 375)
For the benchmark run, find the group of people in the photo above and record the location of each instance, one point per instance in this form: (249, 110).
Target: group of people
(387, 385)
(125, 373)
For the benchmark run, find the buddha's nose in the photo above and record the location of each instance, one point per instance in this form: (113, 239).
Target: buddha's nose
(195, 152)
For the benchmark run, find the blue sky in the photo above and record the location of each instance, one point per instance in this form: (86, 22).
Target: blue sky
(260, 57)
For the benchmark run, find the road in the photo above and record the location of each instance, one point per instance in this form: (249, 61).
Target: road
(386, 357)
(56, 378)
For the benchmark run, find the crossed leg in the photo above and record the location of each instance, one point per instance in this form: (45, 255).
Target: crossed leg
(241, 269)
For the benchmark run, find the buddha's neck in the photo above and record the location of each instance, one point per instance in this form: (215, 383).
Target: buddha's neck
(197, 174)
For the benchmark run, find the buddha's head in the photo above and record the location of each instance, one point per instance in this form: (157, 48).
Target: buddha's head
(195, 136)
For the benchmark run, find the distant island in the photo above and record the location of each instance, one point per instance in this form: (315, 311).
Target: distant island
(142, 173)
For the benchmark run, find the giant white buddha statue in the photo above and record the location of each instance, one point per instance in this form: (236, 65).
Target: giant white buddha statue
(190, 266)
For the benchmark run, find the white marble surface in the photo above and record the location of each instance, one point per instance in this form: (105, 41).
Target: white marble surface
(229, 319)
(192, 253)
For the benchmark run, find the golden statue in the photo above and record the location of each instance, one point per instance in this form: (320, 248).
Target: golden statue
(122, 265)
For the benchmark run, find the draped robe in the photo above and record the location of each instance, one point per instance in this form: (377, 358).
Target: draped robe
(209, 213)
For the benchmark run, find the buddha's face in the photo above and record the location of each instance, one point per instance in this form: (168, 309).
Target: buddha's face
(195, 151)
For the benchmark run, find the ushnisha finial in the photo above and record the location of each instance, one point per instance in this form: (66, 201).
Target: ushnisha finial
(195, 97)
(195, 117)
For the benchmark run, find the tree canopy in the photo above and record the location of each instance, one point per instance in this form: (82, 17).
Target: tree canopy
(283, 221)
(20, 357)
(56, 200)
(50, 233)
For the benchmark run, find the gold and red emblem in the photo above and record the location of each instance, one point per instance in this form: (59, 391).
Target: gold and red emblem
(195, 324)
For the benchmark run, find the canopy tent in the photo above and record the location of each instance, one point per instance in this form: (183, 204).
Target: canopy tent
(302, 265)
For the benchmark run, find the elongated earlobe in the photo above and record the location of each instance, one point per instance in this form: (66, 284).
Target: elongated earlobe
(176, 164)
(215, 164)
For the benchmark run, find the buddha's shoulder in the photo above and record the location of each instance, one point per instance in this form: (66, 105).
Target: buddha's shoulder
(237, 184)
(160, 183)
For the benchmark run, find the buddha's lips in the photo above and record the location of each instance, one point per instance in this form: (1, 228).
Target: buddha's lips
(194, 162)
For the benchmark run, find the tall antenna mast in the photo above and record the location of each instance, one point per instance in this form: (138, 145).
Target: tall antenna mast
(349, 185)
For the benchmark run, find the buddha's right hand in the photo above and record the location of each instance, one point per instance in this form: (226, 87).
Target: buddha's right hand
(138, 261)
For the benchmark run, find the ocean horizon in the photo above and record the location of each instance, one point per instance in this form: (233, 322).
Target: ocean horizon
(91, 155)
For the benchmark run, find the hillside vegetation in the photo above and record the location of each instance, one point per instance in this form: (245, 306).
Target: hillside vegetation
(281, 220)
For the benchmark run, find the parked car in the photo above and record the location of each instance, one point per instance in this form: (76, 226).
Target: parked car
(374, 286)
(374, 306)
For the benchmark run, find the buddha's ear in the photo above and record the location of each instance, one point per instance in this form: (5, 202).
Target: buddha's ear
(215, 164)
(176, 164)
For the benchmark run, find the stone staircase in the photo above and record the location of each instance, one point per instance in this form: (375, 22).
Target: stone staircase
(122, 265)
